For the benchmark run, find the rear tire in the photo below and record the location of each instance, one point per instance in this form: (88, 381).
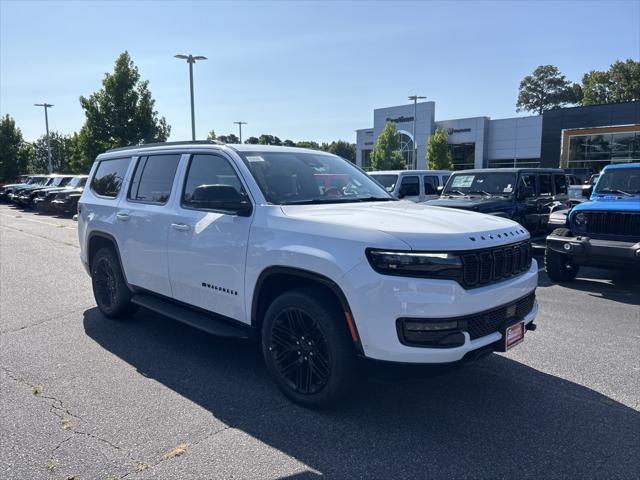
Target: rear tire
(307, 348)
(558, 265)
(110, 290)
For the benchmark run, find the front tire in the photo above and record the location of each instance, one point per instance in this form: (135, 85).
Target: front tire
(558, 265)
(307, 349)
(110, 290)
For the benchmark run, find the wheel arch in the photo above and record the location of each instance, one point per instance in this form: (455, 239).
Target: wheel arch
(98, 239)
(276, 280)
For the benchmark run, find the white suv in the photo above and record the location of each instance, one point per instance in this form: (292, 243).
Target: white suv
(302, 250)
(414, 185)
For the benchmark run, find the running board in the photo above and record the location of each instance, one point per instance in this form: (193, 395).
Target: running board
(201, 321)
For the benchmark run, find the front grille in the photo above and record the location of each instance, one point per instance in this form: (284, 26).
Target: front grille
(486, 323)
(626, 224)
(477, 325)
(484, 267)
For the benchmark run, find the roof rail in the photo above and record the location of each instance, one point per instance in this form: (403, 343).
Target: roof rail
(166, 144)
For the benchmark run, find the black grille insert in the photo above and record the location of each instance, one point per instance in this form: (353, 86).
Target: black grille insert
(483, 267)
(624, 224)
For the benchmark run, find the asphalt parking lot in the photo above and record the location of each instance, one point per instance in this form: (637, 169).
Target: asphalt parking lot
(84, 397)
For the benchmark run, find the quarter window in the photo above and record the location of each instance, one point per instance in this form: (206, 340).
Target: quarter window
(410, 186)
(208, 170)
(153, 178)
(109, 177)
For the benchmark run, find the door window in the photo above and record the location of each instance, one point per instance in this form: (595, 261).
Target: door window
(153, 178)
(410, 186)
(109, 175)
(208, 170)
(528, 183)
(561, 184)
(430, 185)
(545, 184)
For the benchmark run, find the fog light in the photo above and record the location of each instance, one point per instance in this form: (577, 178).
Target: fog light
(429, 326)
(567, 246)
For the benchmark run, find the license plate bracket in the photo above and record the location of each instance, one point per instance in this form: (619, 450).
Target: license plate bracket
(513, 335)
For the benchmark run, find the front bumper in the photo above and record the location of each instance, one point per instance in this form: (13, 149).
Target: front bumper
(378, 301)
(589, 251)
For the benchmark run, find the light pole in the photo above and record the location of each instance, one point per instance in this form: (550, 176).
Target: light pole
(191, 60)
(415, 99)
(46, 122)
(240, 128)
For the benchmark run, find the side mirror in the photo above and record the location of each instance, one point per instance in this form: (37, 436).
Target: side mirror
(402, 192)
(221, 197)
(439, 190)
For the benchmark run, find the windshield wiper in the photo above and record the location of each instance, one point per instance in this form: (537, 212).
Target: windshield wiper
(448, 192)
(317, 201)
(481, 191)
(375, 199)
(616, 191)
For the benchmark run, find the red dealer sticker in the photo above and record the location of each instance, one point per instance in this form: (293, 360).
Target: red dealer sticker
(513, 335)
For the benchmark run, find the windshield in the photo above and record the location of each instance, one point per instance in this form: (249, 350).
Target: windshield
(59, 181)
(35, 180)
(388, 181)
(485, 183)
(619, 180)
(77, 182)
(287, 178)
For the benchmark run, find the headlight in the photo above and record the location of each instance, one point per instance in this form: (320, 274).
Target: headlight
(580, 219)
(415, 264)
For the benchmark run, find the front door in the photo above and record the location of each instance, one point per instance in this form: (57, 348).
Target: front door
(528, 217)
(207, 249)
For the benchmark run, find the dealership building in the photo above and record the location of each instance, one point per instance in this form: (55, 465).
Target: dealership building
(579, 137)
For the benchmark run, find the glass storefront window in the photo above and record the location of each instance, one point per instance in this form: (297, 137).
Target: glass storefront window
(463, 155)
(596, 151)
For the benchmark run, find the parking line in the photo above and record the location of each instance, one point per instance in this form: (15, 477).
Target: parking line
(36, 221)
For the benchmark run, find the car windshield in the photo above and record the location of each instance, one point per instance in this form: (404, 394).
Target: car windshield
(387, 180)
(59, 181)
(484, 183)
(619, 180)
(290, 178)
(35, 180)
(77, 182)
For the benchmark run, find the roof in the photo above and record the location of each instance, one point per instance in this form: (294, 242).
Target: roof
(622, 165)
(214, 145)
(511, 170)
(398, 172)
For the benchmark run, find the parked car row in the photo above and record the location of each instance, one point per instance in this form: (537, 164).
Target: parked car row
(56, 194)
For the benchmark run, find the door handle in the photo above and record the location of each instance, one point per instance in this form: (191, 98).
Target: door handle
(122, 216)
(182, 227)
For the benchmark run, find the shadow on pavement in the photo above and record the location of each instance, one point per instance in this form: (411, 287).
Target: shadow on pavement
(498, 418)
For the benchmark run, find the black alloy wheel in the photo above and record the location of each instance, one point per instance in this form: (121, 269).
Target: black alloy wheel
(299, 351)
(110, 290)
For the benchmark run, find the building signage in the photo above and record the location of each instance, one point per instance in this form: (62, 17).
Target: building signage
(400, 119)
(457, 130)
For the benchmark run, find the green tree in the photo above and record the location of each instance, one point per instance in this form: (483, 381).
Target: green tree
(545, 89)
(269, 140)
(122, 112)
(308, 144)
(212, 135)
(252, 140)
(15, 154)
(596, 88)
(625, 81)
(343, 149)
(289, 143)
(66, 155)
(438, 151)
(386, 154)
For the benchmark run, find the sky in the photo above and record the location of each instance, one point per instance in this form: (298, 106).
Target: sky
(300, 70)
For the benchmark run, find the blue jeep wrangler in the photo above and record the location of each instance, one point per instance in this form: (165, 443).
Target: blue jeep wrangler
(603, 232)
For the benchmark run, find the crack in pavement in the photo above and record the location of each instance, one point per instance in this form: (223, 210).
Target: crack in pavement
(48, 319)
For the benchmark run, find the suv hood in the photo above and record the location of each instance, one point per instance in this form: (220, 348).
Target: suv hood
(476, 204)
(421, 227)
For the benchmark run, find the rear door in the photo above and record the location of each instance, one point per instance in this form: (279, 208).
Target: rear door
(430, 184)
(143, 222)
(410, 188)
(207, 248)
